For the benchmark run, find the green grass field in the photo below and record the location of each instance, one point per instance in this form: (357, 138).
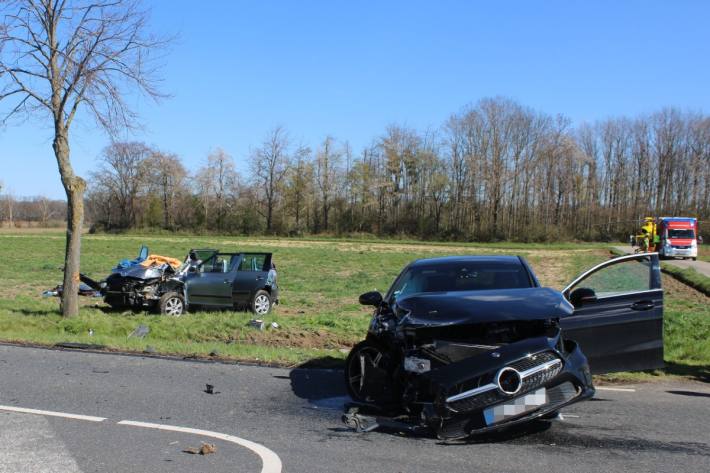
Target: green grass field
(320, 281)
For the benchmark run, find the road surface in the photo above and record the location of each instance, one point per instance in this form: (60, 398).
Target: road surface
(296, 415)
(703, 267)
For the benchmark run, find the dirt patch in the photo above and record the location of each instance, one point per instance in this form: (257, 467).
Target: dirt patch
(551, 271)
(674, 288)
(296, 338)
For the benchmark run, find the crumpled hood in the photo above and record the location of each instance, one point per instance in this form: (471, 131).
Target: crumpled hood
(141, 272)
(471, 307)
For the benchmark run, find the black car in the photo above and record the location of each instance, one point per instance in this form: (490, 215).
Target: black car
(471, 344)
(207, 279)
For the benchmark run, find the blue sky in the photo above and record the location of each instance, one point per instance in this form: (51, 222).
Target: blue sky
(349, 69)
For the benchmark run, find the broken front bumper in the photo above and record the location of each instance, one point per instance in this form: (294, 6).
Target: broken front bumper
(516, 383)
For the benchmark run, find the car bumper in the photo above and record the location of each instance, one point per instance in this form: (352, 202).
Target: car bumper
(684, 252)
(569, 382)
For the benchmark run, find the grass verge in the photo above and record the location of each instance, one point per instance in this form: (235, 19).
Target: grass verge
(319, 318)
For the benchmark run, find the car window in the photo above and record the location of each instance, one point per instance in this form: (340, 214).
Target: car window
(468, 276)
(216, 264)
(626, 276)
(253, 262)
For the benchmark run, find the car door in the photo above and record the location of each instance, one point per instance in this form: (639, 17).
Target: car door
(252, 274)
(618, 314)
(211, 285)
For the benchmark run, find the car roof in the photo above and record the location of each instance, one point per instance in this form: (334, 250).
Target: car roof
(466, 259)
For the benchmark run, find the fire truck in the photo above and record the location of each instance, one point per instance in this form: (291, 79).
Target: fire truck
(671, 237)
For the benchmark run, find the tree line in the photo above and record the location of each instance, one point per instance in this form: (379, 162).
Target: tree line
(495, 170)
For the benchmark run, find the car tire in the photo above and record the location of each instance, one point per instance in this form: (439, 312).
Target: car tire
(173, 304)
(378, 358)
(261, 303)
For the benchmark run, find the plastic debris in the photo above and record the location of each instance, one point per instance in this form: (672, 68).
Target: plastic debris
(209, 389)
(257, 323)
(140, 331)
(275, 325)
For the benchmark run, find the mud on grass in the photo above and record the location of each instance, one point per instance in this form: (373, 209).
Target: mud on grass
(319, 316)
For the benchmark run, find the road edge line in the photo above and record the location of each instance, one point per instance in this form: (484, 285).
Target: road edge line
(271, 463)
(24, 410)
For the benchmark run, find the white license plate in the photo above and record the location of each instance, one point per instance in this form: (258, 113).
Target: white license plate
(515, 407)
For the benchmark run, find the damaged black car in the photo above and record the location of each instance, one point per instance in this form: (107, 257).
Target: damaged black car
(207, 279)
(472, 344)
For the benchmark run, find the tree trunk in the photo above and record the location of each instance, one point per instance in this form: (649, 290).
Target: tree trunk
(74, 187)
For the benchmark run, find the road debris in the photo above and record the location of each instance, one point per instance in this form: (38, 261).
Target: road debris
(205, 449)
(257, 323)
(141, 331)
(209, 389)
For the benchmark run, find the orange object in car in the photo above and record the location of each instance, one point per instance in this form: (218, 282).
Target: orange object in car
(152, 260)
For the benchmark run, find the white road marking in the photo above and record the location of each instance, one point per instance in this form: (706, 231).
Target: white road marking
(623, 390)
(30, 444)
(52, 413)
(271, 463)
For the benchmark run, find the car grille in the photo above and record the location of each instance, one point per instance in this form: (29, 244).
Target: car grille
(463, 426)
(483, 395)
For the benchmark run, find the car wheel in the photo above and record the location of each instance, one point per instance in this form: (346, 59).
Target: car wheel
(261, 303)
(172, 303)
(368, 374)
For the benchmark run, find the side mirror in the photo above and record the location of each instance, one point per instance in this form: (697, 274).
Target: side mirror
(371, 298)
(581, 296)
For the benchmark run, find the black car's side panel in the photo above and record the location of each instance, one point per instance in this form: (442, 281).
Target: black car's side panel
(619, 333)
(624, 331)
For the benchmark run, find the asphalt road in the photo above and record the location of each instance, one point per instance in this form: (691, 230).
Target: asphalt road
(296, 414)
(703, 267)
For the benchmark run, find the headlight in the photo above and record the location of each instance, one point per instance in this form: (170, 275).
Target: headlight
(694, 244)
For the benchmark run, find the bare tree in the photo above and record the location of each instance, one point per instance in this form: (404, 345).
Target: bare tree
(218, 184)
(269, 164)
(123, 175)
(327, 166)
(166, 177)
(60, 56)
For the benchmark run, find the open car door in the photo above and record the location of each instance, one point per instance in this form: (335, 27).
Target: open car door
(618, 314)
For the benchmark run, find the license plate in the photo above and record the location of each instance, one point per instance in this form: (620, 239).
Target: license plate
(515, 407)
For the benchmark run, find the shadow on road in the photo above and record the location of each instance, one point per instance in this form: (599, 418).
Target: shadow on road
(314, 384)
(689, 393)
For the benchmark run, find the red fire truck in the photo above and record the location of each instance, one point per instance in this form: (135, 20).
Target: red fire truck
(678, 237)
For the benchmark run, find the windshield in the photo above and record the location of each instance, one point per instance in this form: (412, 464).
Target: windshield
(681, 233)
(468, 276)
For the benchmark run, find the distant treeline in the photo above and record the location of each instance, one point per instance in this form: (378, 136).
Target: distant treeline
(31, 211)
(495, 170)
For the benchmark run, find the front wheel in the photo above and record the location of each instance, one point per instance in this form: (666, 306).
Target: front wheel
(172, 303)
(368, 374)
(261, 303)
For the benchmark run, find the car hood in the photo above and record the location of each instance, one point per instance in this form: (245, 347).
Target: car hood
(140, 272)
(472, 307)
